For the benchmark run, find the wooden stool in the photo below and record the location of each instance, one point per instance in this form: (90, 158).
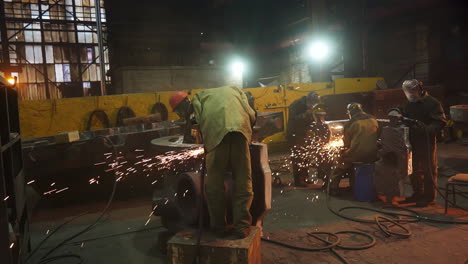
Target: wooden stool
(456, 180)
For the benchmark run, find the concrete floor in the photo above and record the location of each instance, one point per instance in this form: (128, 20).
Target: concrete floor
(123, 237)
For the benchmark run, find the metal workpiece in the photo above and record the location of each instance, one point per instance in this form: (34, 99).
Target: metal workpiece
(267, 124)
(177, 199)
(459, 113)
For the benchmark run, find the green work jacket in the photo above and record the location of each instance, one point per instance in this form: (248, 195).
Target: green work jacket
(219, 111)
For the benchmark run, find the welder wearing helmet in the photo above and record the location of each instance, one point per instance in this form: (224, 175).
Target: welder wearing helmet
(318, 129)
(426, 118)
(181, 105)
(319, 134)
(300, 118)
(226, 120)
(360, 142)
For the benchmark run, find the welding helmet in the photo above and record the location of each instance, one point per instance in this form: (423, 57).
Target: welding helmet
(312, 99)
(353, 109)
(319, 112)
(176, 98)
(413, 89)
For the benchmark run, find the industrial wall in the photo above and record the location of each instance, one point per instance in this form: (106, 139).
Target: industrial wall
(40, 118)
(135, 79)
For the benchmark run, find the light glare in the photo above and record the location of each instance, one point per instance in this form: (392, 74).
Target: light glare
(319, 51)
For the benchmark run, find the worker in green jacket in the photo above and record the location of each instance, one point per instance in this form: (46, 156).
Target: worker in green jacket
(360, 142)
(225, 119)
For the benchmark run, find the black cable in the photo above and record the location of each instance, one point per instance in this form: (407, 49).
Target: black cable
(196, 259)
(44, 258)
(112, 235)
(64, 256)
(49, 235)
(312, 234)
(429, 161)
(101, 115)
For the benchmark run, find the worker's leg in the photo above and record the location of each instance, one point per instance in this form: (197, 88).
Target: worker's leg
(300, 170)
(417, 176)
(342, 169)
(216, 164)
(242, 176)
(430, 177)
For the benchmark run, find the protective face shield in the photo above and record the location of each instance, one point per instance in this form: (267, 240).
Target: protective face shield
(182, 108)
(320, 117)
(312, 100)
(353, 108)
(413, 90)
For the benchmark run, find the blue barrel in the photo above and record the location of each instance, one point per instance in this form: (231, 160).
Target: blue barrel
(364, 188)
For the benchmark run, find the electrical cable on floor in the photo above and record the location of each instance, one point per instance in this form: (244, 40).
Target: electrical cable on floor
(431, 171)
(44, 259)
(60, 257)
(50, 235)
(400, 218)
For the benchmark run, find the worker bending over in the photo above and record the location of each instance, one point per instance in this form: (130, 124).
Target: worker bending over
(425, 117)
(301, 117)
(360, 142)
(225, 120)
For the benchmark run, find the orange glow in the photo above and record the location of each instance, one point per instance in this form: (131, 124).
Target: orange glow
(11, 81)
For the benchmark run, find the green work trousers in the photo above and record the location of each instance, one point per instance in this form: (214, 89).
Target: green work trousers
(231, 154)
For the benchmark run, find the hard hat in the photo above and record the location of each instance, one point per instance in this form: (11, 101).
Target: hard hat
(354, 108)
(412, 84)
(176, 98)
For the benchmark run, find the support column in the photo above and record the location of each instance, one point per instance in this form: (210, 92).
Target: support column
(44, 57)
(4, 41)
(102, 65)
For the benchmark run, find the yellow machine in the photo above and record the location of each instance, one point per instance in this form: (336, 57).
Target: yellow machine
(42, 118)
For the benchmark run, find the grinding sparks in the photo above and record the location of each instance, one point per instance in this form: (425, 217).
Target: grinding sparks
(29, 182)
(6, 198)
(61, 190)
(12, 245)
(318, 151)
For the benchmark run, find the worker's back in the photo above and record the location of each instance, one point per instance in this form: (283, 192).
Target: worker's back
(360, 137)
(220, 111)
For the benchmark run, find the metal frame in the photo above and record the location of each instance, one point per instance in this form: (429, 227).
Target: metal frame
(67, 29)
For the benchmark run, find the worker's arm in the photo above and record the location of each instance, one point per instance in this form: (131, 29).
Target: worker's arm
(247, 108)
(350, 143)
(438, 120)
(197, 108)
(297, 113)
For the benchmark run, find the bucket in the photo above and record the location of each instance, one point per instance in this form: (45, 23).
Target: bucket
(364, 188)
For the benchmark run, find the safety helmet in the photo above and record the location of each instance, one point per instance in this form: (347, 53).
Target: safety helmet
(176, 98)
(412, 84)
(354, 108)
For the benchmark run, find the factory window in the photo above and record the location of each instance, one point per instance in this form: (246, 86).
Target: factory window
(45, 11)
(90, 55)
(50, 51)
(33, 54)
(62, 73)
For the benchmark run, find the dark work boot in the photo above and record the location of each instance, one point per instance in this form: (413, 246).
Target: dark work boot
(412, 199)
(242, 232)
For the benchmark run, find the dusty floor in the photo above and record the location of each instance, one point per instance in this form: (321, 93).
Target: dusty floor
(124, 236)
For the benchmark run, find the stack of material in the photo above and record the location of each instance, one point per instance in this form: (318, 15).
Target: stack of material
(182, 248)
